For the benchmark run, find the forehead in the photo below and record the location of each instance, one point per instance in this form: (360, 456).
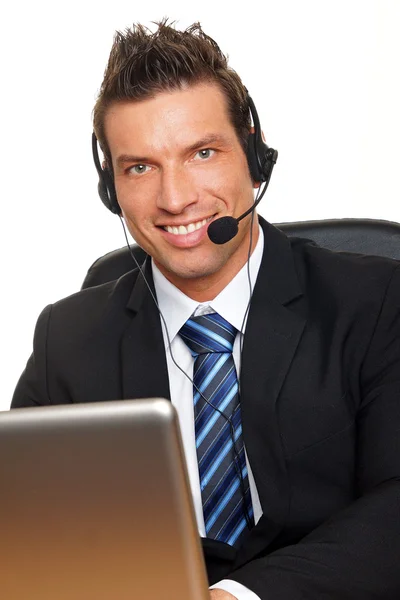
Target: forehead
(169, 119)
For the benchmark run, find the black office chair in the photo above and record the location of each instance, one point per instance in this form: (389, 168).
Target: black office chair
(362, 236)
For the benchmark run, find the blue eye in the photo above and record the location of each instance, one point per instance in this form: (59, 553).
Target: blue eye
(139, 169)
(206, 153)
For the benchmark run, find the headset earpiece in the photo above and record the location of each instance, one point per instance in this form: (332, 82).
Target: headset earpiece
(107, 192)
(105, 187)
(260, 157)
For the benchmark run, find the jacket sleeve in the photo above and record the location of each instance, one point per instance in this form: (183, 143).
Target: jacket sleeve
(356, 553)
(32, 388)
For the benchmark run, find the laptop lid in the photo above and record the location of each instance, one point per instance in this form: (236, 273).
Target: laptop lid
(95, 504)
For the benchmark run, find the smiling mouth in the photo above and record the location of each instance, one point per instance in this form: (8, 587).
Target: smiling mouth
(185, 229)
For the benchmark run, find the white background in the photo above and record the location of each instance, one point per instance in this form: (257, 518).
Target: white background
(324, 75)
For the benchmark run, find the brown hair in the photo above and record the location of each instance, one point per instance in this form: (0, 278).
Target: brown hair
(143, 63)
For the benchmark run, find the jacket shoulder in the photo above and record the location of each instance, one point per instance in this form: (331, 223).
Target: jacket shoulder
(99, 297)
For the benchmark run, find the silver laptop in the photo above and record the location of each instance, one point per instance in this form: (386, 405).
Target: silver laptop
(95, 505)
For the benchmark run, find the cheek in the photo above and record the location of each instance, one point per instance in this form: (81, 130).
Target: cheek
(234, 191)
(138, 221)
(141, 232)
(219, 183)
(137, 203)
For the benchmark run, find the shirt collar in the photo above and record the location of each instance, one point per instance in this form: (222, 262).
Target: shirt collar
(231, 303)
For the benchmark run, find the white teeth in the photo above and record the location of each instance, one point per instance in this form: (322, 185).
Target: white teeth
(185, 229)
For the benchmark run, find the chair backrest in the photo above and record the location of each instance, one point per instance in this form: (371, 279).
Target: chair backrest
(362, 236)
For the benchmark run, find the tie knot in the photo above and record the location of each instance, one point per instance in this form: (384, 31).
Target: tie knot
(208, 333)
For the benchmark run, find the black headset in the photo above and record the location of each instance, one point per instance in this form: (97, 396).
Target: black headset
(260, 157)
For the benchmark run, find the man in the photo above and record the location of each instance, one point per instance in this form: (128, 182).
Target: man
(317, 491)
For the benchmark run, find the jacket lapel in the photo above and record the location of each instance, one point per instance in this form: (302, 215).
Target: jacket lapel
(144, 366)
(273, 332)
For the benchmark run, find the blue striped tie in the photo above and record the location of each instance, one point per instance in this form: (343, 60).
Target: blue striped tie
(210, 340)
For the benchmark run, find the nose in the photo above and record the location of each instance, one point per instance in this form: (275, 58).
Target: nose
(177, 191)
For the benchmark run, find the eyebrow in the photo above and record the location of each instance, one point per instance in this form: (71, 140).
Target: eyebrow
(204, 142)
(123, 159)
(208, 140)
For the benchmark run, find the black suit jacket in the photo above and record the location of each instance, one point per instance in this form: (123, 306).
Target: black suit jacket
(320, 393)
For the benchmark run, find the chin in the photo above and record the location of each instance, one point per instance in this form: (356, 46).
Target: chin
(189, 271)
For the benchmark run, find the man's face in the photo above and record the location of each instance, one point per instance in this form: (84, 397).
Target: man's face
(178, 165)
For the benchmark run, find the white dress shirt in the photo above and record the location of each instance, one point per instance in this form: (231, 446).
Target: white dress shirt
(176, 308)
